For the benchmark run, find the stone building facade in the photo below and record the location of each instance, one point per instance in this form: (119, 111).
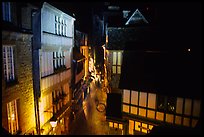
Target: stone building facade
(18, 115)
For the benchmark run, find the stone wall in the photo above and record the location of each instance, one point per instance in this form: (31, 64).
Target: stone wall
(22, 90)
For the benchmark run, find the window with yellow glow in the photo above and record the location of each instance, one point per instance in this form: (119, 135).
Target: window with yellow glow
(187, 107)
(134, 97)
(151, 100)
(126, 108)
(143, 99)
(137, 126)
(150, 114)
(120, 126)
(114, 58)
(178, 120)
(126, 96)
(144, 128)
(133, 110)
(117, 62)
(131, 127)
(160, 116)
(115, 125)
(12, 117)
(179, 105)
(186, 121)
(169, 118)
(110, 124)
(196, 108)
(142, 112)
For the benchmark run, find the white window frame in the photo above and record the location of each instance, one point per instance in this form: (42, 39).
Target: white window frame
(12, 117)
(8, 62)
(58, 59)
(6, 11)
(116, 65)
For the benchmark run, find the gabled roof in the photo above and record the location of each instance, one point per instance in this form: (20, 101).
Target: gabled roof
(136, 17)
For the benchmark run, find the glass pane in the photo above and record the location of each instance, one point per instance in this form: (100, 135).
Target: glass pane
(178, 120)
(134, 97)
(169, 118)
(151, 100)
(114, 69)
(196, 108)
(131, 127)
(110, 124)
(137, 126)
(143, 99)
(120, 126)
(186, 122)
(151, 114)
(119, 58)
(179, 105)
(126, 96)
(160, 116)
(144, 128)
(115, 125)
(133, 110)
(118, 69)
(125, 108)
(114, 58)
(187, 109)
(142, 112)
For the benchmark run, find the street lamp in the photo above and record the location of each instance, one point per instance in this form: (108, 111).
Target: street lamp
(53, 123)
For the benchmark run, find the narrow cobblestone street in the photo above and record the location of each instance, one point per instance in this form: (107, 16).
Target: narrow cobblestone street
(89, 120)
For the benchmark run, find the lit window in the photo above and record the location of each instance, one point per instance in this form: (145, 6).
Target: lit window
(151, 100)
(187, 107)
(137, 126)
(117, 62)
(134, 97)
(150, 114)
(131, 127)
(6, 11)
(160, 116)
(12, 117)
(169, 118)
(143, 99)
(186, 122)
(126, 96)
(120, 126)
(196, 108)
(133, 110)
(125, 108)
(144, 128)
(142, 112)
(178, 120)
(179, 105)
(8, 61)
(110, 124)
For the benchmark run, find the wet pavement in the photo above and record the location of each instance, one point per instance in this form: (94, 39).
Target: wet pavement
(90, 120)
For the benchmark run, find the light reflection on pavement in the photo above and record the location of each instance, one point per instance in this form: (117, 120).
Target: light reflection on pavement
(90, 121)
